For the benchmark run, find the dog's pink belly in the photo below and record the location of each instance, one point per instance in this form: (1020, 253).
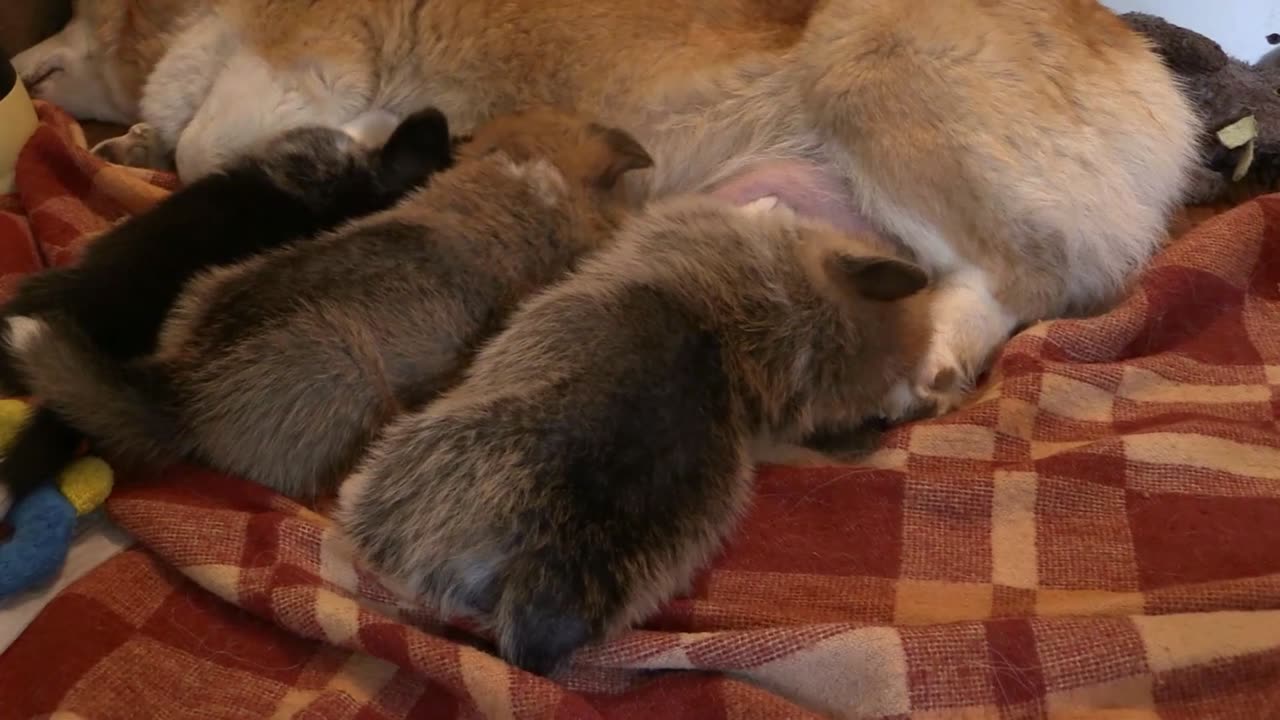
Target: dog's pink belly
(805, 187)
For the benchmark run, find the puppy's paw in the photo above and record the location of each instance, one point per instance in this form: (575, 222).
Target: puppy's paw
(848, 444)
(141, 147)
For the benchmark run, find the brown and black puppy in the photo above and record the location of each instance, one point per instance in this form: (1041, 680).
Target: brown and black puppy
(282, 367)
(599, 449)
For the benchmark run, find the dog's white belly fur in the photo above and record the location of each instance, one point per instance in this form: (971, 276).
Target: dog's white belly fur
(212, 97)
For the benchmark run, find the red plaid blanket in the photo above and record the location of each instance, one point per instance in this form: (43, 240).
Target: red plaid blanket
(1097, 535)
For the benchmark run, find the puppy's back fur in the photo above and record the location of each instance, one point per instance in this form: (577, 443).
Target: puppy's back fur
(598, 450)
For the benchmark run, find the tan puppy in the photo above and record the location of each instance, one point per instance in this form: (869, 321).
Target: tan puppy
(1028, 153)
(281, 367)
(599, 449)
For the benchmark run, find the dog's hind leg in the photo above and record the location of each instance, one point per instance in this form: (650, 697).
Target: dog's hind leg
(182, 79)
(174, 91)
(251, 100)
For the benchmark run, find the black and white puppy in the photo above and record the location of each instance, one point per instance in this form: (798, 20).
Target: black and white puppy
(301, 183)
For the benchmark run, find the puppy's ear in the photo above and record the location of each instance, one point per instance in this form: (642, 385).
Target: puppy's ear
(624, 153)
(875, 277)
(420, 146)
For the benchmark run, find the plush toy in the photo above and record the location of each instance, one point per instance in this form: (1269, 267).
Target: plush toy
(1272, 58)
(17, 122)
(1238, 102)
(44, 521)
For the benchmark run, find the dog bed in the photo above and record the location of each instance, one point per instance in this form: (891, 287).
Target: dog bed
(1096, 534)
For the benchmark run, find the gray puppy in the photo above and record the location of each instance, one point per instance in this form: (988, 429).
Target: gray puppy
(281, 368)
(598, 449)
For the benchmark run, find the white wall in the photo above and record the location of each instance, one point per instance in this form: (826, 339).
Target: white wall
(1239, 26)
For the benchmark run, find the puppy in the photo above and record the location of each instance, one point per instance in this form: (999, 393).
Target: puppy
(598, 450)
(118, 294)
(281, 368)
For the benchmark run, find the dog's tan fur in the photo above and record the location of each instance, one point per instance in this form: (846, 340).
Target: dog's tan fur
(1028, 153)
(599, 449)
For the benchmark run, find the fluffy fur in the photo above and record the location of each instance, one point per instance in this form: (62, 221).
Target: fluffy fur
(598, 450)
(1028, 153)
(116, 297)
(282, 367)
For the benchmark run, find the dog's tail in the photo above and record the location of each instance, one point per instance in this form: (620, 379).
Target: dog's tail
(129, 409)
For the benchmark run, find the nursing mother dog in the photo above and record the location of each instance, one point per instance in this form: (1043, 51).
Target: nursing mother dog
(1027, 154)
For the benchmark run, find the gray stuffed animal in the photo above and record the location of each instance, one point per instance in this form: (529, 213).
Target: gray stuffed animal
(1272, 58)
(1238, 102)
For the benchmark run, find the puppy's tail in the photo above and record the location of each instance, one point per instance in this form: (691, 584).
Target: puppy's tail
(130, 409)
(38, 294)
(542, 617)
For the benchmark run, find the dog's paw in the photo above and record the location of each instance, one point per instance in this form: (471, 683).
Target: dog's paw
(760, 206)
(940, 386)
(769, 205)
(141, 147)
(371, 129)
(942, 383)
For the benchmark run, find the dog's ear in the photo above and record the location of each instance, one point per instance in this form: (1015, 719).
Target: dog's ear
(623, 153)
(875, 277)
(418, 147)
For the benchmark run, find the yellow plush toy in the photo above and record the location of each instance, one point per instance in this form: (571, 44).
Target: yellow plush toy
(44, 521)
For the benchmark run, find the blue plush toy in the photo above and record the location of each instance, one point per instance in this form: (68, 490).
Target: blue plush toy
(44, 521)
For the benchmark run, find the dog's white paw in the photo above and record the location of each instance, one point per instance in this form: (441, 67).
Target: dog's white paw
(761, 205)
(141, 147)
(940, 386)
(942, 382)
(372, 129)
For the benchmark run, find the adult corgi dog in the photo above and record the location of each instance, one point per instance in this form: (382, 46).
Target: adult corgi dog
(1027, 154)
